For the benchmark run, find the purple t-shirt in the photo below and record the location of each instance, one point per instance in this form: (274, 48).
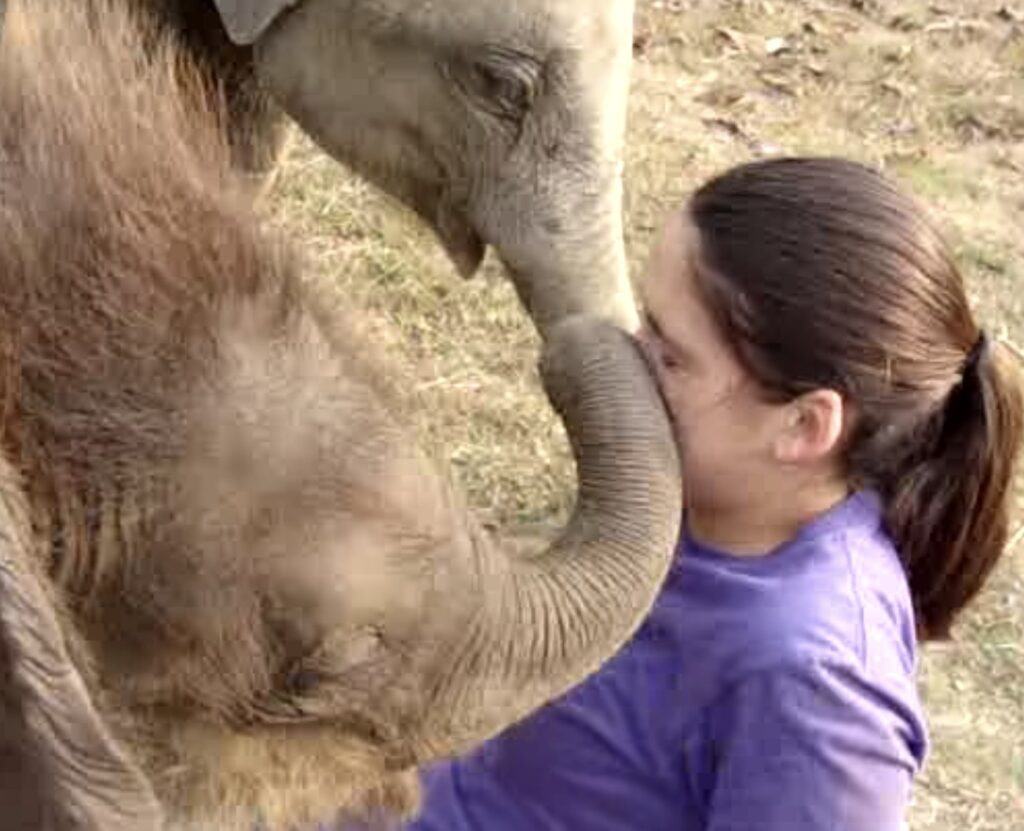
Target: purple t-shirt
(774, 693)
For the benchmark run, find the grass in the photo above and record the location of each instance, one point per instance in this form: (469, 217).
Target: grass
(931, 91)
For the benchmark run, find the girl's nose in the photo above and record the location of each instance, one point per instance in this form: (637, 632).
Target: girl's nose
(649, 346)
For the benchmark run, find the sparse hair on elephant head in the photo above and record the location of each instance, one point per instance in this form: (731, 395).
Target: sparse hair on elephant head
(232, 589)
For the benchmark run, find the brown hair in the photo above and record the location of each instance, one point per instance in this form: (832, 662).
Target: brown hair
(822, 273)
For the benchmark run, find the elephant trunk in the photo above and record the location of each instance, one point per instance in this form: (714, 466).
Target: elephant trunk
(584, 273)
(567, 256)
(565, 248)
(546, 621)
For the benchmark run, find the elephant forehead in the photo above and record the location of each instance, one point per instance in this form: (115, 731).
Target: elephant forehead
(541, 24)
(608, 23)
(359, 573)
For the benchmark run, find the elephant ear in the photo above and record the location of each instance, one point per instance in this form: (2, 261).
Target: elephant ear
(246, 20)
(60, 766)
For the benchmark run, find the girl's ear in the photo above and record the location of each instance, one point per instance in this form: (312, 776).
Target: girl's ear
(812, 428)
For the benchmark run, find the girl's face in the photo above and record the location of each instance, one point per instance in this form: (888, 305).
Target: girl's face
(724, 427)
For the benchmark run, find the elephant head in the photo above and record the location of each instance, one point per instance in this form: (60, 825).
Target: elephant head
(499, 123)
(301, 610)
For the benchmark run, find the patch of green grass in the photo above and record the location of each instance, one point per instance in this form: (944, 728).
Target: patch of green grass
(934, 182)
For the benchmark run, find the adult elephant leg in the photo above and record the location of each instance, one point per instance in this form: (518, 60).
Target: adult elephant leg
(61, 768)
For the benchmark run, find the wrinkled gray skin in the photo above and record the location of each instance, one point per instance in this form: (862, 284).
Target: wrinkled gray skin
(499, 123)
(231, 586)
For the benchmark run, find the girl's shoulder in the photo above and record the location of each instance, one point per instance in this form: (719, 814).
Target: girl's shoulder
(836, 593)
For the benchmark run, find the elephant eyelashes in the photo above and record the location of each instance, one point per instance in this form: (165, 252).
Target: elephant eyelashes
(502, 81)
(508, 88)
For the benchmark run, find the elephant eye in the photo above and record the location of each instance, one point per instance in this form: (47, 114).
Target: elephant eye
(303, 680)
(506, 87)
(501, 81)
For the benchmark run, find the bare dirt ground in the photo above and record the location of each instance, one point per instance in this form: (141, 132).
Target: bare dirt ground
(933, 92)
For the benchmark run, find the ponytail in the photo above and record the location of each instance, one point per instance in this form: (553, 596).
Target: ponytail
(822, 273)
(947, 508)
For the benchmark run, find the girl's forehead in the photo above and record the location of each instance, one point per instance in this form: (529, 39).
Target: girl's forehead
(678, 235)
(669, 282)
(672, 297)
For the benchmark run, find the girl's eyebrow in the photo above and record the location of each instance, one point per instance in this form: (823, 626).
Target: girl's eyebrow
(653, 324)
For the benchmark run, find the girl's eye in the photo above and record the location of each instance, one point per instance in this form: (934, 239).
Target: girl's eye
(669, 361)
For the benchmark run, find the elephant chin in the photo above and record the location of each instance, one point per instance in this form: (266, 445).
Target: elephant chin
(464, 246)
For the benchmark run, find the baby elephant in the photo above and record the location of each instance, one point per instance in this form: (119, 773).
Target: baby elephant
(232, 590)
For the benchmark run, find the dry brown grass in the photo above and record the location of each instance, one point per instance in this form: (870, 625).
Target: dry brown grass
(933, 91)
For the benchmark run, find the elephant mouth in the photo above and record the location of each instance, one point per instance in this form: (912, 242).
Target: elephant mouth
(460, 240)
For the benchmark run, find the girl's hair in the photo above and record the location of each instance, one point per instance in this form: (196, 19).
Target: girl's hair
(823, 274)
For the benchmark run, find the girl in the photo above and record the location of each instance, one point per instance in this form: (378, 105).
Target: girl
(848, 435)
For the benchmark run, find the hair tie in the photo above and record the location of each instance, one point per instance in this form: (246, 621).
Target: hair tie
(977, 355)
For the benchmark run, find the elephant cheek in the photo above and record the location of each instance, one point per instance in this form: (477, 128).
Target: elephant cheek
(464, 246)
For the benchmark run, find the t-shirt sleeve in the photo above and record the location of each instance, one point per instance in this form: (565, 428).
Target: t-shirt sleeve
(813, 747)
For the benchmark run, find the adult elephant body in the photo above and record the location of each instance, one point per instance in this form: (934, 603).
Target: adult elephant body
(497, 122)
(231, 588)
